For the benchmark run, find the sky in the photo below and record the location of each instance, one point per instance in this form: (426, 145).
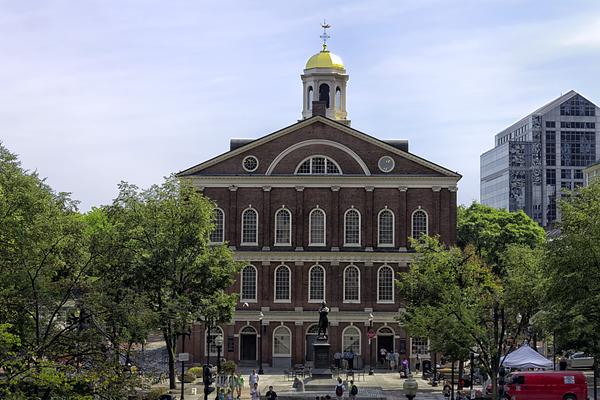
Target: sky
(97, 92)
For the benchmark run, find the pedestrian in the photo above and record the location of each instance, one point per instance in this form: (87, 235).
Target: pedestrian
(229, 395)
(338, 359)
(382, 355)
(405, 367)
(353, 390)
(239, 385)
(389, 358)
(562, 364)
(271, 395)
(253, 379)
(397, 359)
(418, 365)
(254, 393)
(339, 389)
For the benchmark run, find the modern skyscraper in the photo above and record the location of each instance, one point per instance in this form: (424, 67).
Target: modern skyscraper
(539, 155)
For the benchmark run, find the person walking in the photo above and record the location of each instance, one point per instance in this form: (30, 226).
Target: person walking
(253, 379)
(271, 394)
(353, 390)
(339, 389)
(239, 385)
(255, 393)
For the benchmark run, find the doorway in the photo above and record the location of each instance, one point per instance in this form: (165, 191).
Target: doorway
(311, 336)
(248, 344)
(385, 340)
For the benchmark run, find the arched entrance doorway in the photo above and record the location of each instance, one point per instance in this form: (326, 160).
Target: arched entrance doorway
(385, 340)
(248, 340)
(311, 336)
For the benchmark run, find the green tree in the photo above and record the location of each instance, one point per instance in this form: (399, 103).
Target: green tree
(165, 230)
(479, 295)
(572, 294)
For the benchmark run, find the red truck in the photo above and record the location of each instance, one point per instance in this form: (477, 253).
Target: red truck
(547, 385)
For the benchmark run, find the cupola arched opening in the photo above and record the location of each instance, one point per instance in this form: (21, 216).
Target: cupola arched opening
(309, 98)
(338, 98)
(324, 93)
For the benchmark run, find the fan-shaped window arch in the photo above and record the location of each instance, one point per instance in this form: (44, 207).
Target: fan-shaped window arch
(351, 339)
(248, 284)
(420, 224)
(218, 234)
(318, 165)
(313, 329)
(351, 284)
(283, 227)
(282, 341)
(385, 331)
(352, 227)
(385, 224)
(283, 282)
(385, 284)
(316, 284)
(250, 226)
(210, 340)
(317, 227)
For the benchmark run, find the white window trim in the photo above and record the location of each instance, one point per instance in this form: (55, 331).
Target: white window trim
(324, 284)
(244, 163)
(248, 300)
(223, 236)
(289, 243)
(359, 335)
(273, 342)
(327, 159)
(310, 242)
(393, 291)
(420, 355)
(412, 221)
(289, 299)
(255, 243)
(359, 285)
(206, 346)
(379, 244)
(359, 228)
(240, 341)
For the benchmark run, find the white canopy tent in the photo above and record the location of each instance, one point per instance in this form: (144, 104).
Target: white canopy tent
(524, 358)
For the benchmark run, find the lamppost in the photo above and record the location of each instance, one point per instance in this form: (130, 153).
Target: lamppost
(371, 372)
(219, 344)
(261, 330)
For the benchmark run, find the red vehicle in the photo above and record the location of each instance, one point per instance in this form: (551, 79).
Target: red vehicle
(547, 385)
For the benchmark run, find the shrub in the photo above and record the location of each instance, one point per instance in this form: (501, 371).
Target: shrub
(187, 377)
(196, 371)
(228, 367)
(155, 393)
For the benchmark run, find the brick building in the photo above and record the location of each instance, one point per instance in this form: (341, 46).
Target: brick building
(318, 211)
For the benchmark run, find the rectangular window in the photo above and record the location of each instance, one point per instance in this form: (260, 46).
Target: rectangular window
(420, 345)
(550, 177)
(578, 174)
(565, 174)
(550, 124)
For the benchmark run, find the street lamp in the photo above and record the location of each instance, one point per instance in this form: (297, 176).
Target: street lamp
(219, 344)
(371, 372)
(261, 330)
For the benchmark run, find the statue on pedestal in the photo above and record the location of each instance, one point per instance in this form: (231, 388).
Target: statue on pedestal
(323, 322)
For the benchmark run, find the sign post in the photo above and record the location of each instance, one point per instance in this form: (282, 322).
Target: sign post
(182, 358)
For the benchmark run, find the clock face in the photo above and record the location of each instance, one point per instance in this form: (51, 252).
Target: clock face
(250, 163)
(386, 164)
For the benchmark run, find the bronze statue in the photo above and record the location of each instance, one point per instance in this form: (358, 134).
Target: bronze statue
(323, 321)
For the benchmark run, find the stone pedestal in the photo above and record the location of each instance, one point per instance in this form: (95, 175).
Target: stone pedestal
(322, 359)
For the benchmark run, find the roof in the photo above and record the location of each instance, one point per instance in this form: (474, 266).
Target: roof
(306, 122)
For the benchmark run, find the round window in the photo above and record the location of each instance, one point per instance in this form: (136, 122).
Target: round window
(386, 164)
(250, 163)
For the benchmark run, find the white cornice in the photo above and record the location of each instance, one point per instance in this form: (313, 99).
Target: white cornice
(312, 316)
(400, 258)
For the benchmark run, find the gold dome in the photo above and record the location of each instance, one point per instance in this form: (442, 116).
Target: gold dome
(325, 59)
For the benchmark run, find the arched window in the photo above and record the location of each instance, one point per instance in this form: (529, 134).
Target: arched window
(318, 165)
(250, 227)
(316, 227)
(283, 278)
(218, 234)
(352, 228)
(385, 222)
(385, 331)
(419, 224)
(316, 284)
(309, 98)
(351, 340)
(210, 341)
(385, 284)
(338, 99)
(248, 284)
(324, 93)
(282, 342)
(351, 284)
(283, 227)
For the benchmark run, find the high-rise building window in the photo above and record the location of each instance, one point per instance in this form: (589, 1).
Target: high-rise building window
(577, 106)
(250, 227)
(419, 224)
(578, 149)
(352, 227)
(385, 222)
(351, 284)
(550, 177)
(385, 284)
(316, 284)
(283, 227)
(316, 221)
(282, 283)
(218, 234)
(248, 277)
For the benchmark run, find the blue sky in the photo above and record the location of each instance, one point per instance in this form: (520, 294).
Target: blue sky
(95, 92)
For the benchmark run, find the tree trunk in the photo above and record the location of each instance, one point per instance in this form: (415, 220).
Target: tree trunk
(171, 352)
(494, 377)
(461, 372)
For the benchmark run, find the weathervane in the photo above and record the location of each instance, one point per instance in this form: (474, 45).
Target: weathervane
(325, 36)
